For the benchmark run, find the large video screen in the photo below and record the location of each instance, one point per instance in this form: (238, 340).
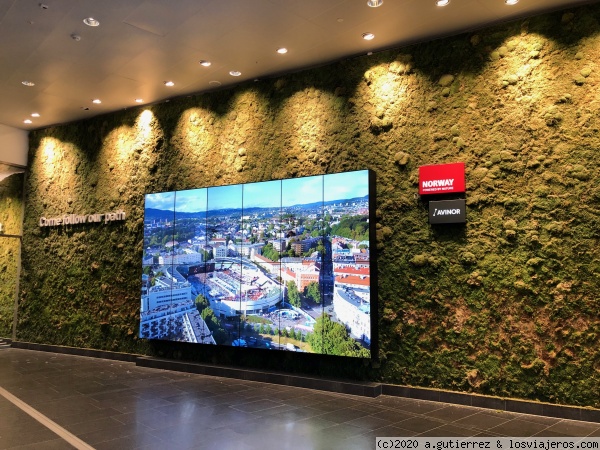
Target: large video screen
(278, 265)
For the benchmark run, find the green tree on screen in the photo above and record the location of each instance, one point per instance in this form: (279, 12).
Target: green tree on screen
(332, 338)
(292, 294)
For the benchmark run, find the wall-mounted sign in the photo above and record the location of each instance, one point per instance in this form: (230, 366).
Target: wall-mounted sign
(448, 211)
(76, 219)
(442, 179)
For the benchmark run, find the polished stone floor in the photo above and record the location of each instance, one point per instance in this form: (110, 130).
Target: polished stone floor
(118, 405)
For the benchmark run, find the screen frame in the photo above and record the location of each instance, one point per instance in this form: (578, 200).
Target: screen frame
(373, 346)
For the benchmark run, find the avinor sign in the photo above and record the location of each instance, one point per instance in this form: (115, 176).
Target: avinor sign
(448, 211)
(442, 179)
(76, 219)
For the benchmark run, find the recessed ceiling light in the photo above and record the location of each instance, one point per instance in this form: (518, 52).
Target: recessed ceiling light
(205, 63)
(169, 83)
(35, 114)
(27, 121)
(511, 2)
(282, 50)
(91, 22)
(28, 83)
(442, 2)
(235, 73)
(97, 101)
(374, 3)
(139, 100)
(214, 83)
(368, 36)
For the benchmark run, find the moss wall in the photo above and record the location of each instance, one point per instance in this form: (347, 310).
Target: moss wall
(506, 305)
(11, 214)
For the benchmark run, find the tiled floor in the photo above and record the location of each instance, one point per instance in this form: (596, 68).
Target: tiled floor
(117, 405)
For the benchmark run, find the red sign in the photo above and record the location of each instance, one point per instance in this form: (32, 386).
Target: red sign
(442, 179)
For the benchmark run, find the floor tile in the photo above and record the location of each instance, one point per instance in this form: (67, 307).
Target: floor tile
(419, 424)
(483, 420)
(370, 422)
(391, 431)
(452, 413)
(448, 430)
(343, 415)
(256, 405)
(52, 444)
(573, 428)
(519, 427)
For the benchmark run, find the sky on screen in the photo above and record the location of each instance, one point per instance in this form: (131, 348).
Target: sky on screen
(267, 194)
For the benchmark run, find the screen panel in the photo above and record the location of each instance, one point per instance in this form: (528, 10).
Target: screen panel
(279, 265)
(156, 298)
(190, 311)
(261, 288)
(224, 219)
(302, 212)
(347, 325)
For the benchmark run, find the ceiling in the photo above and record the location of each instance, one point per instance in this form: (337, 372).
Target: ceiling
(140, 44)
(6, 170)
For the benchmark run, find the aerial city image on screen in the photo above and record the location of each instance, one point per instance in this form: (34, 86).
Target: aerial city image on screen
(279, 265)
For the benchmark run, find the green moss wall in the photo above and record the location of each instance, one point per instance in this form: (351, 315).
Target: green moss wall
(11, 214)
(507, 305)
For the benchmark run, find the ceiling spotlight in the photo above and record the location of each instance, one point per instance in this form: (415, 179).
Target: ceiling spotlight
(91, 22)
(75, 37)
(35, 114)
(368, 36)
(27, 121)
(282, 50)
(442, 2)
(214, 83)
(374, 3)
(511, 2)
(235, 73)
(169, 83)
(139, 100)
(205, 63)
(28, 83)
(43, 6)
(97, 101)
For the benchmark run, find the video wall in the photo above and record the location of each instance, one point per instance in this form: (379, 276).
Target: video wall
(277, 265)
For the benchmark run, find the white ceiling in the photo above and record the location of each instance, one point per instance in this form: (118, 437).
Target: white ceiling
(142, 43)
